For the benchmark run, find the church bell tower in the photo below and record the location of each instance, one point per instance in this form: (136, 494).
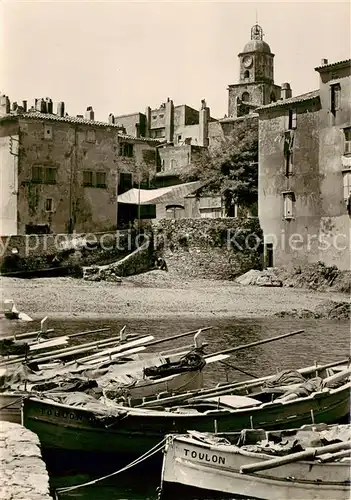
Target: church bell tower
(256, 78)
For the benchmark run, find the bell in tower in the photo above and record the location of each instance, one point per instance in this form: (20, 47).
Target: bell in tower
(256, 60)
(256, 79)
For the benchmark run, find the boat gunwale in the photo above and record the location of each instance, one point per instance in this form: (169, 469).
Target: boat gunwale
(233, 448)
(141, 412)
(339, 485)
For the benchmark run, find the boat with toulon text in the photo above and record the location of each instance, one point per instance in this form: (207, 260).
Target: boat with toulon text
(310, 463)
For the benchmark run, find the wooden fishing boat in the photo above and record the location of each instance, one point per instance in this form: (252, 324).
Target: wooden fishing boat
(133, 378)
(312, 463)
(110, 427)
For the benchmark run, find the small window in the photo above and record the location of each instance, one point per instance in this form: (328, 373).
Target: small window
(291, 119)
(50, 175)
(101, 179)
(125, 182)
(179, 138)
(154, 117)
(335, 96)
(289, 202)
(246, 74)
(47, 131)
(347, 134)
(173, 164)
(272, 97)
(160, 132)
(347, 184)
(162, 166)
(49, 205)
(87, 178)
(245, 97)
(126, 149)
(91, 137)
(37, 174)
(161, 116)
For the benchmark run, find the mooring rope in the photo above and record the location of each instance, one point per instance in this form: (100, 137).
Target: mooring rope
(158, 447)
(12, 403)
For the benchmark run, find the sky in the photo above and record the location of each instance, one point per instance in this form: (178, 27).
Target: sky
(120, 57)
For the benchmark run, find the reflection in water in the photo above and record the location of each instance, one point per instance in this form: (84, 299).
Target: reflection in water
(323, 341)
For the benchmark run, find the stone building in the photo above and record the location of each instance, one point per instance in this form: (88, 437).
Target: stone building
(61, 173)
(305, 173)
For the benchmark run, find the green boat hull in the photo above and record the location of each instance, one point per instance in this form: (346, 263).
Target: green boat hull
(135, 432)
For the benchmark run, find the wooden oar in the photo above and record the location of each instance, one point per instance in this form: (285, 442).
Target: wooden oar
(294, 457)
(77, 349)
(178, 336)
(49, 344)
(123, 347)
(329, 457)
(229, 365)
(258, 342)
(25, 335)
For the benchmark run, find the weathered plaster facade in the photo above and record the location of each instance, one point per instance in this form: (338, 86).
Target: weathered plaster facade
(302, 167)
(69, 171)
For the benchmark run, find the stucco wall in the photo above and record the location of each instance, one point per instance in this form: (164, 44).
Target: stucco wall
(304, 183)
(209, 248)
(8, 186)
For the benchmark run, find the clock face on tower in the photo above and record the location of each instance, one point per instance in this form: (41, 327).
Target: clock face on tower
(247, 61)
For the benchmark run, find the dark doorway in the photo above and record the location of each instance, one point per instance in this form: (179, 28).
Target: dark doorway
(269, 255)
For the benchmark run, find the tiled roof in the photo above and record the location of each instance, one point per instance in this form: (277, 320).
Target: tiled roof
(314, 94)
(36, 115)
(345, 62)
(231, 119)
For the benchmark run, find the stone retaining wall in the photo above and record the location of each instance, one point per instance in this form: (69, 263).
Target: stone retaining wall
(38, 251)
(210, 248)
(23, 473)
(137, 262)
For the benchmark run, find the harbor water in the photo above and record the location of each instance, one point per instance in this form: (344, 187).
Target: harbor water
(322, 342)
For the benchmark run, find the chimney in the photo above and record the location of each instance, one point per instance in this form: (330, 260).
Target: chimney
(169, 121)
(61, 109)
(40, 105)
(48, 102)
(24, 106)
(286, 91)
(147, 121)
(324, 62)
(5, 105)
(89, 114)
(204, 115)
(111, 118)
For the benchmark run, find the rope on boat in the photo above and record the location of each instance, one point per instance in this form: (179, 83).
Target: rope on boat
(12, 403)
(158, 447)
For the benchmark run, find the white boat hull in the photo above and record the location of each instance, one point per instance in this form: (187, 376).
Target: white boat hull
(217, 468)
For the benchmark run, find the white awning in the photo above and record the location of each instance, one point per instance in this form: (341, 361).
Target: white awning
(167, 195)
